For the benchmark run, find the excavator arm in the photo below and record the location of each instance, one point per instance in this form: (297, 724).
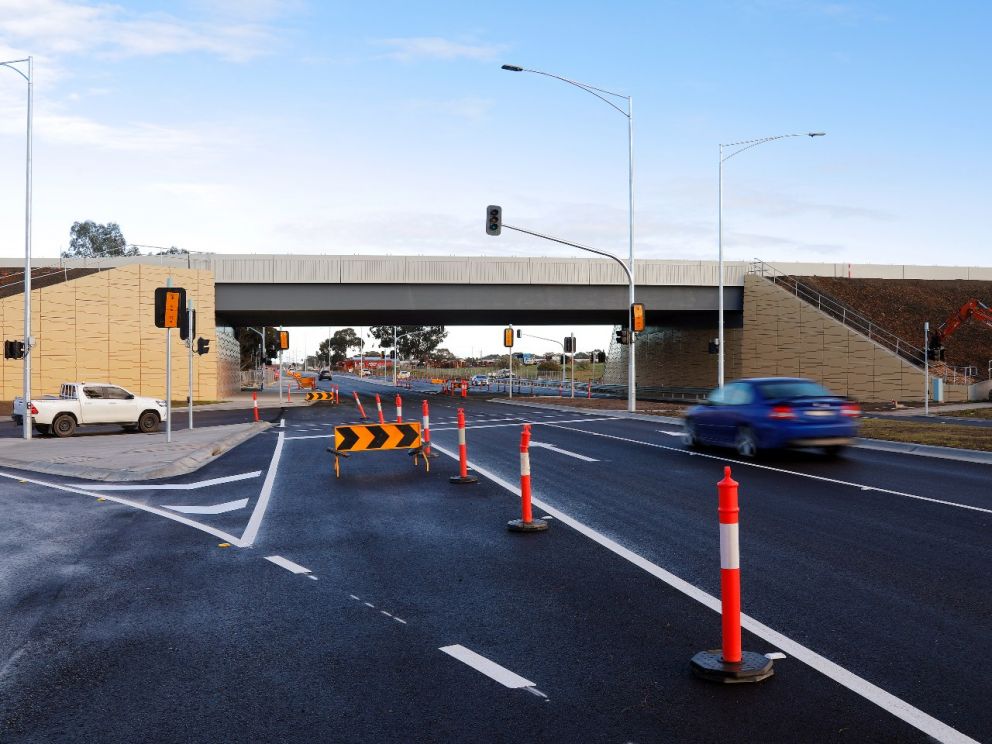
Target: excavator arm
(971, 309)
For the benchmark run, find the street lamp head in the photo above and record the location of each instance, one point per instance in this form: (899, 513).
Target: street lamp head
(817, 134)
(512, 68)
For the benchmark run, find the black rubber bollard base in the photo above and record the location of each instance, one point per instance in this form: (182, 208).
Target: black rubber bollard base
(753, 667)
(463, 481)
(519, 525)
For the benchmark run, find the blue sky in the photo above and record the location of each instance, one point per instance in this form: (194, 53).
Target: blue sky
(333, 127)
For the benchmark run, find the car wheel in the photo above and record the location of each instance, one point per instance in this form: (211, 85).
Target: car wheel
(148, 422)
(64, 425)
(833, 451)
(43, 429)
(689, 437)
(746, 442)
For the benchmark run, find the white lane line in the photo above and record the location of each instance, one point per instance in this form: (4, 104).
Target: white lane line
(296, 568)
(885, 700)
(533, 423)
(354, 597)
(310, 436)
(778, 470)
(385, 613)
(489, 668)
(251, 531)
(576, 455)
(398, 620)
(214, 509)
(369, 604)
(127, 502)
(169, 486)
(669, 433)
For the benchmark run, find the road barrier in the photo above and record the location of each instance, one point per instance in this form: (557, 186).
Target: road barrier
(526, 523)
(254, 404)
(463, 477)
(361, 410)
(464, 388)
(399, 409)
(425, 433)
(374, 437)
(378, 407)
(730, 664)
(320, 395)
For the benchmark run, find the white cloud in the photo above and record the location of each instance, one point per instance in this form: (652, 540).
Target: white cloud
(416, 48)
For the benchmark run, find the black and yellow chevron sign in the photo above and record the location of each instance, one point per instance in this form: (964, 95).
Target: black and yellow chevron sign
(320, 396)
(376, 437)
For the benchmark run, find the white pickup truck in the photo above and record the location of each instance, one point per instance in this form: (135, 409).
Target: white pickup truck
(80, 403)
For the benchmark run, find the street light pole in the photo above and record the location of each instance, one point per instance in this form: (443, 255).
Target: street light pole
(629, 113)
(742, 146)
(29, 78)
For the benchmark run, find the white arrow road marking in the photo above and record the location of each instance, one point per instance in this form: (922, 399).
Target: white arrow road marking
(170, 486)
(296, 568)
(561, 451)
(490, 668)
(215, 509)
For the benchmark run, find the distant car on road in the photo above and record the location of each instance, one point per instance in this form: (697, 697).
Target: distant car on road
(80, 403)
(324, 374)
(772, 413)
(479, 380)
(403, 374)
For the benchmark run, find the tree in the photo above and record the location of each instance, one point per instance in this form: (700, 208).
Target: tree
(419, 345)
(172, 251)
(339, 345)
(90, 240)
(250, 343)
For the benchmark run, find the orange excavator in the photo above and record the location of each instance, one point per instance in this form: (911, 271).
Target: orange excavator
(971, 309)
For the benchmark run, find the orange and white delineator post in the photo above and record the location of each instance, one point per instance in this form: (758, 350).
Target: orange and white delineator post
(254, 403)
(399, 409)
(731, 663)
(526, 523)
(463, 477)
(425, 428)
(464, 388)
(361, 410)
(378, 406)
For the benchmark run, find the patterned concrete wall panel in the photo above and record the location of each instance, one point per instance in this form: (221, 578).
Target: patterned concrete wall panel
(228, 363)
(306, 269)
(244, 268)
(550, 271)
(424, 270)
(499, 271)
(373, 270)
(936, 272)
(602, 272)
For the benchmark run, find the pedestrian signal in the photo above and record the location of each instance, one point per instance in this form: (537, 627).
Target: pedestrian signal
(508, 338)
(283, 340)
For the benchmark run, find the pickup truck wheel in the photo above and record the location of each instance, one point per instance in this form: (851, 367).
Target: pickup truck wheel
(64, 425)
(148, 422)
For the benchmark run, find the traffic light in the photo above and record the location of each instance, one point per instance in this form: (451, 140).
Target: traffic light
(185, 331)
(714, 346)
(561, 359)
(569, 344)
(170, 304)
(494, 219)
(508, 338)
(601, 357)
(13, 349)
(520, 333)
(202, 345)
(637, 314)
(392, 353)
(283, 340)
(623, 336)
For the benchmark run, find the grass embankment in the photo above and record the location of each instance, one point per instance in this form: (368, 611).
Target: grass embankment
(982, 413)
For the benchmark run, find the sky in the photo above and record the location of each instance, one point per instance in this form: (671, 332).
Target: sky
(300, 126)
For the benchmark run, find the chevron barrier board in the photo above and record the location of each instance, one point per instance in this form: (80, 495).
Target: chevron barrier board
(320, 396)
(362, 437)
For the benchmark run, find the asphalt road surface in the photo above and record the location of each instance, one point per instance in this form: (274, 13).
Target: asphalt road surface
(392, 606)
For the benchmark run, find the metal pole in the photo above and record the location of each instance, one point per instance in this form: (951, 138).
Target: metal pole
(926, 368)
(189, 343)
(280, 367)
(631, 374)
(719, 342)
(573, 365)
(511, 371)
(396, 356)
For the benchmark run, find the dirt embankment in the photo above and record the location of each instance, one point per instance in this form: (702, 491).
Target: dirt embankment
(902, 306)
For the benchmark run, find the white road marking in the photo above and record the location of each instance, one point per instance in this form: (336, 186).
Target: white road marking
(385, 613)
(669, 433)
(398, 620)
(775, 655)
(489, 668)
(310, 436)
(885, 700)
(251, 531)
(127, 502)
(311, 576)
(282, 423)
(369, 604)
(577, 456)
(296, 568)
(778, 470)
(169, 486)
(534, 423)
(214, 509)
(354, 597)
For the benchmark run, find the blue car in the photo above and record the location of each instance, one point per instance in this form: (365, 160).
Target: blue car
(772, 413)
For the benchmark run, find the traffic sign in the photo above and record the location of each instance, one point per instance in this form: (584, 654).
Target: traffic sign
(170, 302)
(362, 437)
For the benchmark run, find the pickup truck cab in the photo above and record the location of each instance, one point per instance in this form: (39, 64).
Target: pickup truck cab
(81, 403)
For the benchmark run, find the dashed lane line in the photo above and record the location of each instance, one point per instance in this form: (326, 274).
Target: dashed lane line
(487, 667)
(534, 423)
(296, 568)
(885, 700)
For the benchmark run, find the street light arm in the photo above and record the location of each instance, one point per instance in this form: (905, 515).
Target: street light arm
(597, 251)
(749, 144)
(11, 64)
(542, 338)
(590, 89)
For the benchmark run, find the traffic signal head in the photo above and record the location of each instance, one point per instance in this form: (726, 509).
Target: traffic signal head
(170, 304)
(202, 345)
(601, 357)
(494, 219)
(185, 331)
(637, 314)
(508, 338)
(569, 344)
(623, 336)
(283, 340)
(13, 349)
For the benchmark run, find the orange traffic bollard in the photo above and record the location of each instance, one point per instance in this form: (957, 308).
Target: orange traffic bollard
(254, 401)
(337, 395)
(425, 433)
(399, 409)
(289, 394)
(464, 388)
(361, 410)
(526, 523)
(730, 664)
(378, 406)
(464, 477)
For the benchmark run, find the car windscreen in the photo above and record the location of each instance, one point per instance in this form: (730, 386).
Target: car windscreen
(785, 389)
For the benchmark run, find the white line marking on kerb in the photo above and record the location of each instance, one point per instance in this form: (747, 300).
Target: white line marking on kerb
(296, 568)
(227, 506)
(490, 668)
(776, 470)
(169, 486)
(885, 700)
(251, 531)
